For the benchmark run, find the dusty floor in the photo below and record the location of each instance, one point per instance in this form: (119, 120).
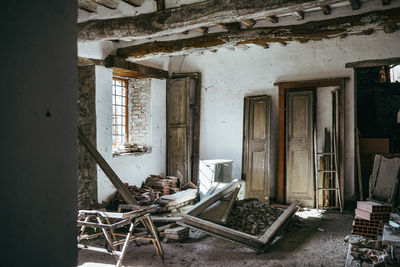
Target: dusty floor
(317, 240)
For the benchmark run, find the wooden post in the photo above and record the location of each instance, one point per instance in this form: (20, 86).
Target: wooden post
(118, 184)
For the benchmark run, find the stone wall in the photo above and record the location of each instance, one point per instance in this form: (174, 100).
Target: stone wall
(139, 111)
(87, 171)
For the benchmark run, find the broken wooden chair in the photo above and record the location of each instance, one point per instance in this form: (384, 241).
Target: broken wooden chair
(108, 223)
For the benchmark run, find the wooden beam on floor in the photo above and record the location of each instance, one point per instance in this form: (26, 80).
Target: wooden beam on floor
(202, 14)
(128, 69)
(315, 30)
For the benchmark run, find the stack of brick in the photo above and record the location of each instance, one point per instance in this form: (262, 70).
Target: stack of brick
(370, 217)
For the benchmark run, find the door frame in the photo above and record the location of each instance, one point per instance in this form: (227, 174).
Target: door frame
(283, 87)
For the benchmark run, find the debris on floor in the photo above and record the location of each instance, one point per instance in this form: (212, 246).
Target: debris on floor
(177, 234)
(252, 216)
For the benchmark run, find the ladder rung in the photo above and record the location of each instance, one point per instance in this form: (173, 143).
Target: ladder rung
(325, 171)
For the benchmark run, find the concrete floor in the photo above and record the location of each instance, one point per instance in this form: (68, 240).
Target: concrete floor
(315, 240)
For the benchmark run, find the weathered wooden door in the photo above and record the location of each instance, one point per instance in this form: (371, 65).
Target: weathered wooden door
(178, 127)
(299, 148)
(256, 147)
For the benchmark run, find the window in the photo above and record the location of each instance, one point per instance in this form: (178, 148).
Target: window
(120, 134)
(394, 73)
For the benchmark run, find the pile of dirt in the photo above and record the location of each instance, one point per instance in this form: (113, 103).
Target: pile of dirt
(252, 216)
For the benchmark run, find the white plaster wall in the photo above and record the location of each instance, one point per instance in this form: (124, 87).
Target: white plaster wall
(231, 74)
(132, 169)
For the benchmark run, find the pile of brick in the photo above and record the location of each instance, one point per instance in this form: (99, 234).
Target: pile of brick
(370, 217)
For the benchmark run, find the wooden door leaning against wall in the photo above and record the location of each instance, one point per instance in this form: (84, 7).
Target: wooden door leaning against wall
(256, 146)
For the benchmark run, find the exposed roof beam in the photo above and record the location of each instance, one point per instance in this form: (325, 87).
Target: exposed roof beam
(124, 68)
(234, 26)
(110, 4)
(273, 19)
(316, 30)
(355, 4)
(134, 3)
(88, 5)
(326, 9)
(248, 22)
(203, 14)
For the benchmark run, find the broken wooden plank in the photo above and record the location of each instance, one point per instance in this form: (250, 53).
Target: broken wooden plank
(268, 236)
(220, 210)
(206, 202)
(108, 171)
(176, 20)
(329, 28)
(124, 68)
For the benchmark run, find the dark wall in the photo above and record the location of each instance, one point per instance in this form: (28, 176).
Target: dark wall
(38, 185)
(377, 107)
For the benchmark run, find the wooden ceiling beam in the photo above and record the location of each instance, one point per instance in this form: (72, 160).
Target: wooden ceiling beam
(355, 4)
(248, 22)
(326, 9)
(134, 3)
(128, 69)
(273, 19)
(176, 20)
(88, 5)
(298, 15)
(315, 30)
(110, 4)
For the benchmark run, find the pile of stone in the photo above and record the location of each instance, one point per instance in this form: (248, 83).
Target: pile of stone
(252, 216)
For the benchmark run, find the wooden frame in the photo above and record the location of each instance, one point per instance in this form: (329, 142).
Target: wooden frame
(259, 244)
(126, 111)
(283, 87)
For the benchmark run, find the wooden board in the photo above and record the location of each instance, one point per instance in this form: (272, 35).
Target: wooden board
(384, 179)
(221, 209)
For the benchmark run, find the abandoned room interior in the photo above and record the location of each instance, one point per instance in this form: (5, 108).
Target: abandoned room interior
(201, 133)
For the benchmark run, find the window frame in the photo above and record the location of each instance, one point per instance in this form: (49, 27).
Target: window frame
(126, 111)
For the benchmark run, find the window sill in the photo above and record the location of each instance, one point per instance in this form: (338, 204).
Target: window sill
(133, 153)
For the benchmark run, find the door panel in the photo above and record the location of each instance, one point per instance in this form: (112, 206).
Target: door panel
(256, 147)
(178, 127)
(299, 147)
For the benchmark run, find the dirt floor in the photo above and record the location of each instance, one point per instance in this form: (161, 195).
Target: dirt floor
(315, 239)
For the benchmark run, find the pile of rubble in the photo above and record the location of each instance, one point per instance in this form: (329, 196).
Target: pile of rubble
(252, 216)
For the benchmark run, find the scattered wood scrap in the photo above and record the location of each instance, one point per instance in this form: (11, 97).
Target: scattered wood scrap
(177, 234)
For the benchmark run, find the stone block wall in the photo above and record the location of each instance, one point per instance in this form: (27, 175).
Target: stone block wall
(139, 92)
(87, 170)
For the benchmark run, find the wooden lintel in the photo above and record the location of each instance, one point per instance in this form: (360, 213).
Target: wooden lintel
(323, 29)
(176, 20)
(273, 19)
(135, 3)
(249, 22)
(326, 9)
(373, 63)
(128, 69)
(355, 4)
(299, 15)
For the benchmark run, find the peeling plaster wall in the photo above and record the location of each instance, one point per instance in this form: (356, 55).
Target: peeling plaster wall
(134, 168)
(231, 74)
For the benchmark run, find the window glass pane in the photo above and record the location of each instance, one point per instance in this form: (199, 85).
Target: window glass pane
(118, 100)
(118, 110)
(118, 90)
